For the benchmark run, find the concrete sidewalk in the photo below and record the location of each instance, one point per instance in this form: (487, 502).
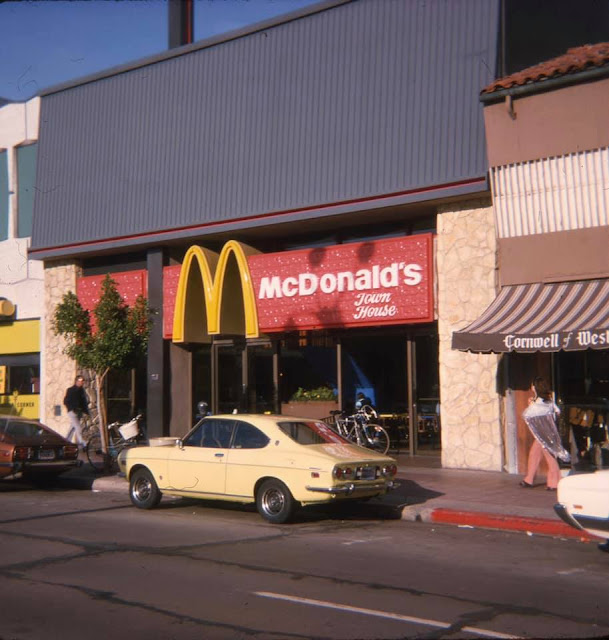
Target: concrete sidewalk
(429, 493)
(484, 499)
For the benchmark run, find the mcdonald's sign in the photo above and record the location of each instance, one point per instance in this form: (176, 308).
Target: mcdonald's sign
(206, 301)
(242, 291)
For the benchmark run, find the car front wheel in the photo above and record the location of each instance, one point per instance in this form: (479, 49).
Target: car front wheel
(143, 490)
(275, 502)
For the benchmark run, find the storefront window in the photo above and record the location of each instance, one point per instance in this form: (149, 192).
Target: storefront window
(261, 393)
(375, 365)
(230, 378)
(22, 379)
(20, 385)
(20, 374)
(308, 361)
(3, 196)
(427, 390)
(582, 383)
(583, 373)
(201, 378)
(26, 171)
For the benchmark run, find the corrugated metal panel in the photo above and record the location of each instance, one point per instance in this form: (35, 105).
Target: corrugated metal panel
(553, 194)
(363, 99)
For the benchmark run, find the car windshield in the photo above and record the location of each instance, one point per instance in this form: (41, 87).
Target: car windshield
(310, 432)
(20, 428)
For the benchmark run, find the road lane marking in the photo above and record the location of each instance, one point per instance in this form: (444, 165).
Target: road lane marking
(380, 614)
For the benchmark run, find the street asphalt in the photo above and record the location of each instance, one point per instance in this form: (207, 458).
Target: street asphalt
(432, 494)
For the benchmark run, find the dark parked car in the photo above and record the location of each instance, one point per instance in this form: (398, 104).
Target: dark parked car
(32, 448)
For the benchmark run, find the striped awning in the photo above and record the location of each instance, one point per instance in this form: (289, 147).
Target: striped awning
(569, 316)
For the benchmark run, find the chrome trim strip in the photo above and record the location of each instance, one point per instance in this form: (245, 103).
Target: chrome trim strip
(565, 516)
(353, 488)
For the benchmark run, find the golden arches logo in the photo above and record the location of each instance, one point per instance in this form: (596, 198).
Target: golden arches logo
(199, 303)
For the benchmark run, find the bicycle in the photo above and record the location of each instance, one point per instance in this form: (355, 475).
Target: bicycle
(358, 429)
(120, 436)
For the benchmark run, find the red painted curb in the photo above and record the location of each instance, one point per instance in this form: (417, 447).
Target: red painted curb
(510, 523)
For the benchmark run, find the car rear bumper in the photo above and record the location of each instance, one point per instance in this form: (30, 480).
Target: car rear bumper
(355, 489)
(52, 466)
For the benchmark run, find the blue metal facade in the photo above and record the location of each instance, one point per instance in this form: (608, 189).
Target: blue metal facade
(347, 102)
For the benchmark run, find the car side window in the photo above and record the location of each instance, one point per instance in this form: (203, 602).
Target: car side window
(248, 437)
(193, 439)
(24, 429)
(216, 434)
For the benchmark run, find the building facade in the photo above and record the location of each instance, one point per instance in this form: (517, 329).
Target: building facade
(305, 204)
(549, 162)
(21, 278)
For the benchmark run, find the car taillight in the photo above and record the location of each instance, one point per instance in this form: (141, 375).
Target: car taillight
(70, 451)
(343, 472)
(22, 453)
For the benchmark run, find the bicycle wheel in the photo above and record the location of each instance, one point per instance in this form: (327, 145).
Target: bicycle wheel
(95, 454)
(377, 438)
(116, 444)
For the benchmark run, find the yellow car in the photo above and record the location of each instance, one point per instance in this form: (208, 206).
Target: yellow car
(278, 462)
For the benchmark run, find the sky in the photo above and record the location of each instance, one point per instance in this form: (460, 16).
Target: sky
(47, 42)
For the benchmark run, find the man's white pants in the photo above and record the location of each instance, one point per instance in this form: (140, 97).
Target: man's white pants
(75, 427)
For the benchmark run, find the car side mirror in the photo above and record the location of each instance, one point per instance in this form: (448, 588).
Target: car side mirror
(180, 443)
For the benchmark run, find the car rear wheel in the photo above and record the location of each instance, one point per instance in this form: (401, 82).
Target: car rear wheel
(274, 501)
(143, 490)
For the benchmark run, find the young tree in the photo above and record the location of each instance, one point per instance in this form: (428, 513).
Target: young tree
(116, 339)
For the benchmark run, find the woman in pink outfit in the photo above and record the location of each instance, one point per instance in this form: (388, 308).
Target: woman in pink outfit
(541, 405)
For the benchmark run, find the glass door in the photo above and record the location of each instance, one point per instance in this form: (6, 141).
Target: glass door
(227, 362)
(261, 394)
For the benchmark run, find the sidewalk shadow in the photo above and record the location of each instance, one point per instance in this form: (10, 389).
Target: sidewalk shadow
(411, 493)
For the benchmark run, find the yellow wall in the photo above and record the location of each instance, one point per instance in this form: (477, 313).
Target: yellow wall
(20, 337)
(24, 405)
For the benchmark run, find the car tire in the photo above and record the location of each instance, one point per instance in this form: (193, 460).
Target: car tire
(274, 502)
(143, 490)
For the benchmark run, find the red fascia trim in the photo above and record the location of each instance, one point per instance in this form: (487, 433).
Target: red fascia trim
(263, 216)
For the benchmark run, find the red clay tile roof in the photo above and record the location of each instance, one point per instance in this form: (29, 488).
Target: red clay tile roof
(575, 60)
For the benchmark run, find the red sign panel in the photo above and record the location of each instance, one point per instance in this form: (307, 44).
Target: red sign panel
(130, 284)
(361, 284)
(171, 277)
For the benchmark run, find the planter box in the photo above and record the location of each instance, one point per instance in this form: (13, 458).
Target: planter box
(309, 409)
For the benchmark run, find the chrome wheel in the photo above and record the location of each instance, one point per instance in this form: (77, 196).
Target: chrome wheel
(143, 490)
(275, 502)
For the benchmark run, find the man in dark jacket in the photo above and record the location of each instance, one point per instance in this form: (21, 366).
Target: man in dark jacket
(77, 403)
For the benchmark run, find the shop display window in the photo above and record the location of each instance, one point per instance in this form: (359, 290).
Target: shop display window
(24, 380)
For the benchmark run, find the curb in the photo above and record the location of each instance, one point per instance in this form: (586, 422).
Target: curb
(110, 483)
(503, 522)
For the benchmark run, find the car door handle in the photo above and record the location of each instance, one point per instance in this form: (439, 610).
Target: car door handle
(219, 455)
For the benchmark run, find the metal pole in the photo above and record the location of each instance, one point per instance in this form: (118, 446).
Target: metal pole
(412, 407)
(339, 371)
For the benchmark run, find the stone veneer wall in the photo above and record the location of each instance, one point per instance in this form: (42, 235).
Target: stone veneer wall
(58, 371)
(466, 276)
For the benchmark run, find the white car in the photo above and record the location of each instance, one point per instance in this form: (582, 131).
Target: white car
(583, 503)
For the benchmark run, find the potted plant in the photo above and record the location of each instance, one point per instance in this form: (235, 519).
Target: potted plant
(311, 403)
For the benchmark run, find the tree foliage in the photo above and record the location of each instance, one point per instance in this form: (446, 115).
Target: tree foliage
(115, 340)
